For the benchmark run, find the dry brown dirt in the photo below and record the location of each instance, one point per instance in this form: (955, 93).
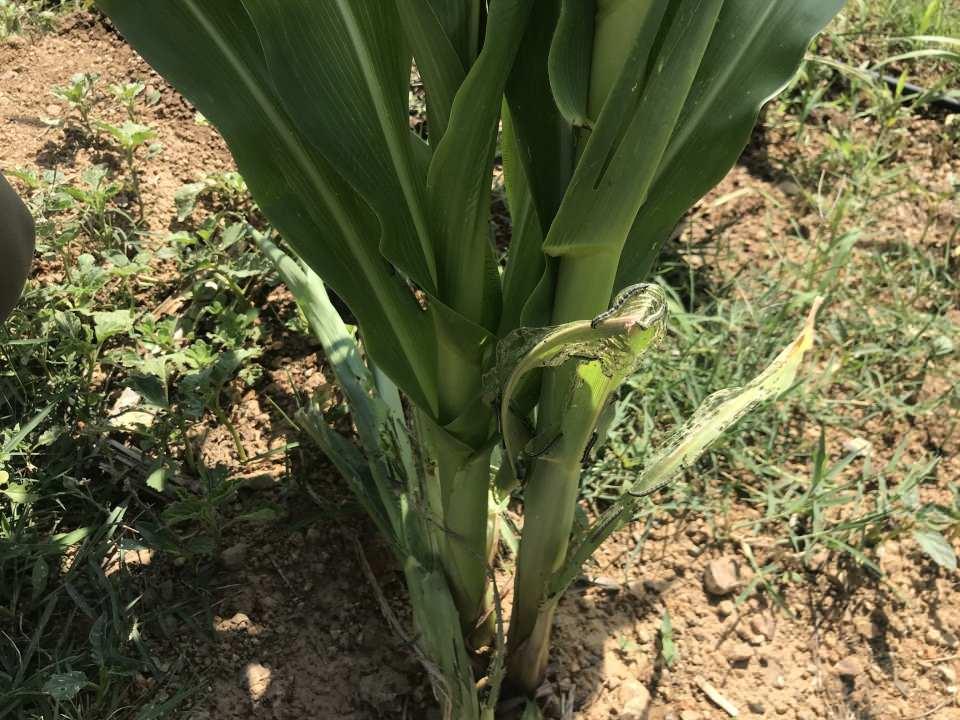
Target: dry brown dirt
(285, 626)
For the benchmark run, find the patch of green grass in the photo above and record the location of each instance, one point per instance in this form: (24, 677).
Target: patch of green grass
(19, 17)
(100, 390)
(826, 467)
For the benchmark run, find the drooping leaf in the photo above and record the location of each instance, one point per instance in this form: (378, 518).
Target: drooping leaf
(709, 422)
(616, 341)
(367, 473)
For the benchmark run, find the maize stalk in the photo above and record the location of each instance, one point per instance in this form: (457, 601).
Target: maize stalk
(617, 116)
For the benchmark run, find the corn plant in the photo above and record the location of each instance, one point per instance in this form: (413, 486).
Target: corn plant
(612, 118)
(16, 247)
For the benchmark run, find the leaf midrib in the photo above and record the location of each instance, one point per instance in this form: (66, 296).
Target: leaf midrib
(320, 185)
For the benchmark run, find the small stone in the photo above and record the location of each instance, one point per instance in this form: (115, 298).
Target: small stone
(689, 715)
(655, 586)
(52, 110)
(780, 682)
(781, 708)
(739, 653)
(259, 481)
(607, 584)
(848, 668)
(949, 674)
(790, 188)
(235, 556)
(816, 559)
(632, 689)
(721, 577)
(857, 446)
(726, 608)
(257, 680)
(637, 707)
(763, 625)
(933, 637)
(756, 708)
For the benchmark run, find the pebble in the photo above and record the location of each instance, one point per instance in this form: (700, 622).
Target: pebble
(857, 446)
(257, 680)
(949, 674)
(636, 701)
(933, 637)
(756, 708)
(721, 576)
(848, 668)
(655, 586)
(234, 556)
(763, 625)
(689, 715)
(790, 188)
(740, 653)
(780, 683)
(726, 608)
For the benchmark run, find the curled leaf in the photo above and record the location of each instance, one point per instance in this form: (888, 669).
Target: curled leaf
(616, 340)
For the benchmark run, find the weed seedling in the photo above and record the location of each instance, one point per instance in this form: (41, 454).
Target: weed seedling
(80, 94)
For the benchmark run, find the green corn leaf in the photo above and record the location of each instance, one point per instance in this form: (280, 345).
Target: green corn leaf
(211, 52)
(570, 60)
(632, 131)
(525, 261)
(714, 416)
(752, 55)
(16, 247)
(349, 54)
(437, 58)
(544, 139)
(458, 183)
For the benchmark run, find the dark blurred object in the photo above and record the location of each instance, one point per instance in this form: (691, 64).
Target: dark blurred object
(16, 247)
(949, 102)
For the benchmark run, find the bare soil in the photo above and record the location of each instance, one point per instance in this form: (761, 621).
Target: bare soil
(284, 624)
